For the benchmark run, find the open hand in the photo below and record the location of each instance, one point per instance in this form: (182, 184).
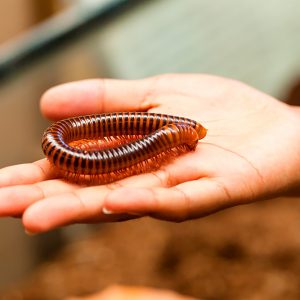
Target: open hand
(251, 152)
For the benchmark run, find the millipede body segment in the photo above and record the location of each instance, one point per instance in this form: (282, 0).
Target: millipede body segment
(140, 141)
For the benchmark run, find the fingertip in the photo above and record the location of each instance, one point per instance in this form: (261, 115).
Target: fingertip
(47, 101)
(14, 200)
(4, 180)
(34, 222)
(71, 99)
(45, 215)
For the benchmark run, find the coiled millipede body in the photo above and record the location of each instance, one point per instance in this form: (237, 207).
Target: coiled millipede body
(102, 148)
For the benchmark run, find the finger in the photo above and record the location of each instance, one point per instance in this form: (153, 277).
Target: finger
(86, 204)
(60, 205)
(26, 173)
(96, 96)
(133, 293)
(14, 200)
(71, 206)
(185, 201)
(83, 205)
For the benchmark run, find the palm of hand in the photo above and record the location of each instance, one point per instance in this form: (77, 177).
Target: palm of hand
(232, 165)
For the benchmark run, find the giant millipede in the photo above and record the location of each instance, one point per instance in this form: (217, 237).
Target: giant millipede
(101, 148)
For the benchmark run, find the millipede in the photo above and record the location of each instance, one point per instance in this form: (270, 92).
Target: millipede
(102, 148)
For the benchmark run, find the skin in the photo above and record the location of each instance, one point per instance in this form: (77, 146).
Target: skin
(251, 152)
(133, 293)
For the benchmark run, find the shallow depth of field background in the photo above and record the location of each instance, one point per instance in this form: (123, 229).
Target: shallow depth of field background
(250, 252)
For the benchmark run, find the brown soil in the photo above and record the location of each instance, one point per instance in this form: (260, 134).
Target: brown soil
(249, 252)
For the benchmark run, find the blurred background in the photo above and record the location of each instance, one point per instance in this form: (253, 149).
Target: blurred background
(250, 252)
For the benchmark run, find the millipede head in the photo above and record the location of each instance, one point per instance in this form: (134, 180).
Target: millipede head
(201, 131)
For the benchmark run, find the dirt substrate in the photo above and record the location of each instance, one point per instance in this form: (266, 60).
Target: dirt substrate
(249, 252)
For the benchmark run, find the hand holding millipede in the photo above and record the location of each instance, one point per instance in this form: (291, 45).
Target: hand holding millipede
(251, 151)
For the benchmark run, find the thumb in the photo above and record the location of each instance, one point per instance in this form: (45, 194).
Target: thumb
(95, 96)
(185, 201)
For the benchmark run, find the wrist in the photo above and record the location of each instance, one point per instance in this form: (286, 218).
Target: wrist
(294, 188)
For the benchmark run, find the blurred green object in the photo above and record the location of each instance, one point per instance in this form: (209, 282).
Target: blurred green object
(55, 30)
(252, 41)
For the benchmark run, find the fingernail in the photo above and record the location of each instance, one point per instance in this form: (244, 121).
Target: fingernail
(30, 233)
(107, 211)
